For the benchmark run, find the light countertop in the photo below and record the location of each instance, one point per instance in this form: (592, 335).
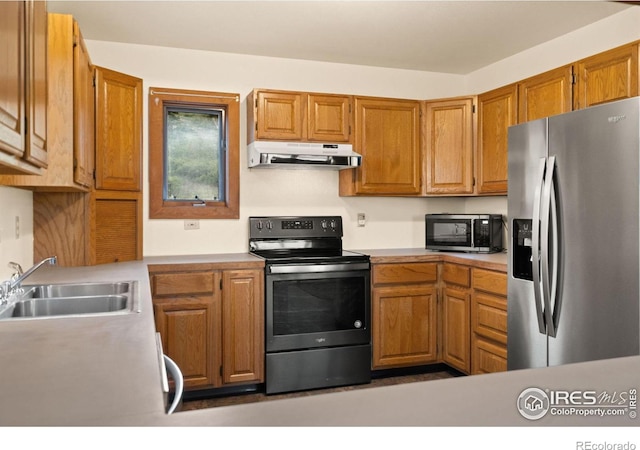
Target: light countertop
(105, 371)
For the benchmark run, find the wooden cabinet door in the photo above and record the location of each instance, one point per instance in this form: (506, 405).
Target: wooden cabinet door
(242, 324)
(83, 111)
(607, 76)
(118, 130)
(456, 344)
(184, 326)
(404, 326)
(279, 115)
(328, 117)
(12, 74)
(449, 146)
(186, 309)
(497, 111)
(115, 227)
(387, 136)
(36, 65)
(546, 94)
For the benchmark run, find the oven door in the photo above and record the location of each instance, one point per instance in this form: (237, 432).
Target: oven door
(317, 305)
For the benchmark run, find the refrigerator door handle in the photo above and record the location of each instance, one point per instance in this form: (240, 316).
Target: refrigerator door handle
(554, 299)
(549, 233)
(535, 247)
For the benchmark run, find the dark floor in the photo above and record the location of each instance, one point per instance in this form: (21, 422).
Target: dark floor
(261, 396)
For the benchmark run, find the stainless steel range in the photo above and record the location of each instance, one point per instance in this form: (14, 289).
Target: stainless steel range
(317, 304)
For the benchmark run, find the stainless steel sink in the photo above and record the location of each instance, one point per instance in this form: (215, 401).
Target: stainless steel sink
(75, 290)
(77, 299)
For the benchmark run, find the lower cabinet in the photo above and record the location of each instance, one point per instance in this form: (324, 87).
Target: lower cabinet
(430, 312)
(456, 315)
(404, 314)
(211, 323)
(488, 321)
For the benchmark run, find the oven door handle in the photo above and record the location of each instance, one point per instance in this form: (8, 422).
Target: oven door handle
(315, 268)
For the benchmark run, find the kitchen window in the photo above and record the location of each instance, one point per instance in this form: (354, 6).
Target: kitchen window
(193, 154)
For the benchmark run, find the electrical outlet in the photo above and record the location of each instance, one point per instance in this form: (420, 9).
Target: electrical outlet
(17, 227)
(191, 224)
(362, 220)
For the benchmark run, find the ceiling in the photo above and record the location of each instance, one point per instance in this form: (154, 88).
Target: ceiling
(440, 36)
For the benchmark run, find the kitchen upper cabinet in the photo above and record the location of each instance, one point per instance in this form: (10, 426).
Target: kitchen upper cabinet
(211, 322)
(497, 111)
(387, 135)
(449, 144)
(298, 116)
(404, 314)
(102, 225)
(545, 95)
(488, 321)
(118, 131)
(23, 91)
(456, 316)
(70, 126)
(607, 76)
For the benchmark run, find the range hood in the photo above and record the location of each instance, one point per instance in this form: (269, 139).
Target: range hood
(302, 155)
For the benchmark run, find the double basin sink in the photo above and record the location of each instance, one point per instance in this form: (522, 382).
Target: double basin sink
(73, 299)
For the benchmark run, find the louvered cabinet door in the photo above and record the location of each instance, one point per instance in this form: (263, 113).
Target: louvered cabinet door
(116, 227)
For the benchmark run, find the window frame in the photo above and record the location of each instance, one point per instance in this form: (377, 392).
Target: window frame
(159, 208)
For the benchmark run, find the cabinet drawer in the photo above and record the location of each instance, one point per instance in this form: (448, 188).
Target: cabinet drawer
(405, 273)
(490, 281)
(455, 274)
(489, 317)
(488, 357)
(185, 283)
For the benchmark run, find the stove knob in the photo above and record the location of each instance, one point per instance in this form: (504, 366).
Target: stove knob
(269, 225)
(323, 224)
(333, 225)
(259, 224)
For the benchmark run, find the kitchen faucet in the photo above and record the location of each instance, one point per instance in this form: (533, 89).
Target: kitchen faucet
(11, 286)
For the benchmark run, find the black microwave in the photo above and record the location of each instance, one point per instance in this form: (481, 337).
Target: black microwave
(477, 233)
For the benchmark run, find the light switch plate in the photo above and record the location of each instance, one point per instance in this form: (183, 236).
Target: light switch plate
(361, 219)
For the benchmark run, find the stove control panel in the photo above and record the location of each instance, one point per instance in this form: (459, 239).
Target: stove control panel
(295, 227)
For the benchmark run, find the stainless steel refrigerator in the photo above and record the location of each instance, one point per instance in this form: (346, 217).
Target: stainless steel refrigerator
(574, 256)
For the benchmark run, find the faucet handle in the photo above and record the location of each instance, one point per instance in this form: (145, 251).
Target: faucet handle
(17, 267)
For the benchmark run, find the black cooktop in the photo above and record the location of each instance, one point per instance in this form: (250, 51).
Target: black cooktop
(306, 239)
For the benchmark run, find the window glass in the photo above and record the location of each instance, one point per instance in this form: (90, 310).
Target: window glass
(194, 155)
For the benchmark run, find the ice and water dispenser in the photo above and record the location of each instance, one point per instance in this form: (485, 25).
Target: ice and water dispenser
(521, 248)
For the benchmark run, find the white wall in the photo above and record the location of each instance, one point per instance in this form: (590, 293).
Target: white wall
(15, 203)
(391, 222)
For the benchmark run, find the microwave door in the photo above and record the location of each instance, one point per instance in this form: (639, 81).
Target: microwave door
(450, 233)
